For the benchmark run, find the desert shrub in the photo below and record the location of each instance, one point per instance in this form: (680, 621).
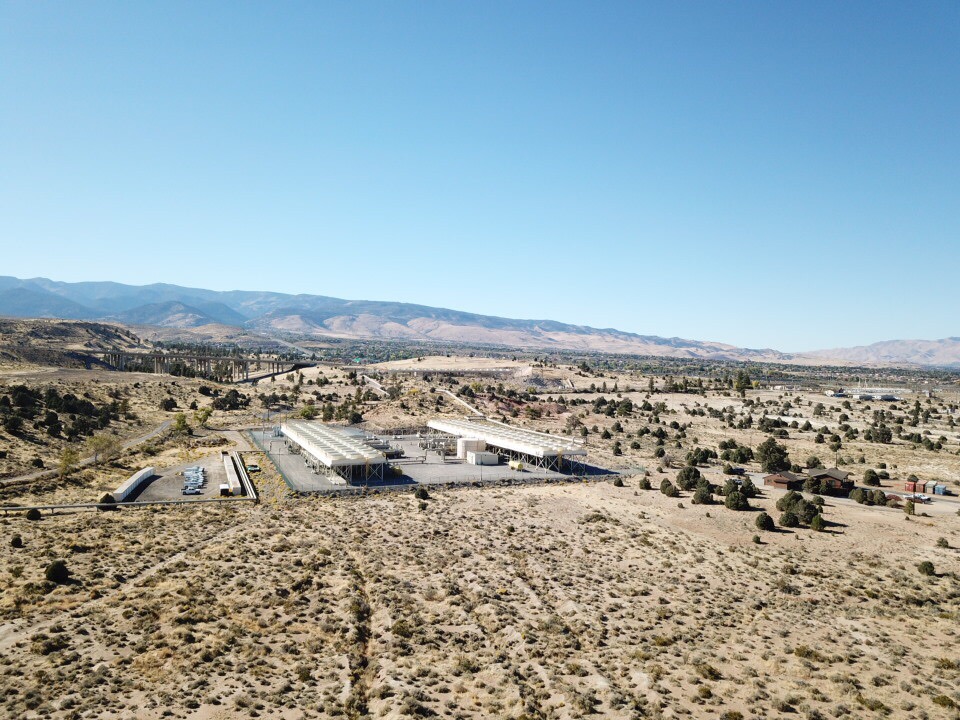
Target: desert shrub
(57, 572)
(33, 514)
(401, 628)
(871, 478)
(708, 672)
(944, 701)
(942, 543)
(926, 568)
(16, 541)
(644, 483)
(748, 489)
(756, 539)
(817, 523)
(788, 500)
(687, 477)
(703, 496)
(618, 482)
(736, 501)
(668, 488)
(789, 520)
(765, 522)
(910, 509)
(421, 493)
(858, 495)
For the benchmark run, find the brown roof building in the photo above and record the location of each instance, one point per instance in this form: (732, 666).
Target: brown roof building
(784, 480)
(832, 479)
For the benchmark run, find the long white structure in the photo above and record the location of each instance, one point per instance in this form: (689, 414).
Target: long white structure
(545, 449)
(330, 447)
(233, 479)
(128, 487)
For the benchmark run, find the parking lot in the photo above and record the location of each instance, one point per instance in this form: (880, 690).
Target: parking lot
(168, 484)
(418, 466)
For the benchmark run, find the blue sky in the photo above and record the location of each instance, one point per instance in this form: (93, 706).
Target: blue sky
(765, 174)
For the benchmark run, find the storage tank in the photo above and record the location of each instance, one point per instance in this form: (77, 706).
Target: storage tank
(482, 458)
(515, 465)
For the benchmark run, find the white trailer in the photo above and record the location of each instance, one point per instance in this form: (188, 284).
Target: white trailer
(129, 486)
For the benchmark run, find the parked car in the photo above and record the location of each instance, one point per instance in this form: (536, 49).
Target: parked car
(253, 467)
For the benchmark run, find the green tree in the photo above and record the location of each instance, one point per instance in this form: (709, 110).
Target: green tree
(309, 412)
(57, 572)
(687, 477)
(871, 478)
(67, 463)
(202, 416)
(703, 496)
(668, 488)
(765, 522)
(736, 501)
(789, 520)
(180, 424)
(817, 523)
(742, 382)
(773, 456)
(103, 447)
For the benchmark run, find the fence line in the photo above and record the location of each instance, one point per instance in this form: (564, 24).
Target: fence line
(116, 506)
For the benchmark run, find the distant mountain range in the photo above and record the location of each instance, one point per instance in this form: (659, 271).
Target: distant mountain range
(172, 306)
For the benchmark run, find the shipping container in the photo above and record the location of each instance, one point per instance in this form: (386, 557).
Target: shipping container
(930, 487)
(940, 489)
(482, 458)
(910, 487)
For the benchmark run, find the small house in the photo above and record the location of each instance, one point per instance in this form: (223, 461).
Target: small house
(832, 479)
(784, 480)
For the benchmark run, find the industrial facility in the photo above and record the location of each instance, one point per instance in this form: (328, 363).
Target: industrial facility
(334, 450)
(536, 449)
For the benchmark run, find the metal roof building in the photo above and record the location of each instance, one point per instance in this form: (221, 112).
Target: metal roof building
(329, 447)
(536, 448)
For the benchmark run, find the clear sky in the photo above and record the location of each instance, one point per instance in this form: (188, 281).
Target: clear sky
(768, 174)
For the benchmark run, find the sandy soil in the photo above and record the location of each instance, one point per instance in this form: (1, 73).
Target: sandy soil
(560, 601)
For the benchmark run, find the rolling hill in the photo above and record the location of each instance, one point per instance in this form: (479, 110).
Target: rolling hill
(172, 306)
